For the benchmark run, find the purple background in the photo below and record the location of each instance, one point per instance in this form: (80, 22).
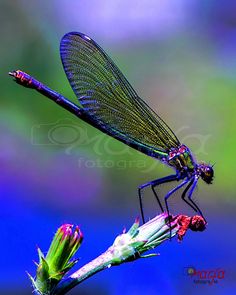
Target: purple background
(180, 56)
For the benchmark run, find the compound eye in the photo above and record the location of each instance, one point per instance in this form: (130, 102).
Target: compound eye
(208, 171)
(208, 174)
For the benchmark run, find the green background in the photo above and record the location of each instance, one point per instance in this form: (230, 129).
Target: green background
(180, 56)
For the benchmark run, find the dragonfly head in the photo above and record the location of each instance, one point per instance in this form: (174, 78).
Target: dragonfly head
(206, 172)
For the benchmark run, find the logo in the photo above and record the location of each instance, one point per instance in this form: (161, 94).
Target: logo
(72, 138)
(205, 276)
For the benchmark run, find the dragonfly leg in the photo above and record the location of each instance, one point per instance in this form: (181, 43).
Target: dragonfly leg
(157, 198)
(153, 184)
(184, 195)
(169, 194)
(191, 200)
(140, 197)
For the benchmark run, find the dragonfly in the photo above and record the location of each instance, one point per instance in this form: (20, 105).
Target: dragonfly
(109, 103)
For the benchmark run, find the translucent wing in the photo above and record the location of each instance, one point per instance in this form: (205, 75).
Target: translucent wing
(108, 98)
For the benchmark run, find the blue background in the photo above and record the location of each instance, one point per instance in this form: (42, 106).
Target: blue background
(180, 56)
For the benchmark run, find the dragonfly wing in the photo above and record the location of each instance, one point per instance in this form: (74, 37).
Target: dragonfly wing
(107, 96)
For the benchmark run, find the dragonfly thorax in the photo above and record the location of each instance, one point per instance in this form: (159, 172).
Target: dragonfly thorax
(182, 160)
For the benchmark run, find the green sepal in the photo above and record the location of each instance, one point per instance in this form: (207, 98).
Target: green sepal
(59, 275)
(43, 269)
(136, 245)
(40, 254)
(133, 231)
(42, 283)
(32, 280)
(54, 245)
(70, 265)
(149, 255)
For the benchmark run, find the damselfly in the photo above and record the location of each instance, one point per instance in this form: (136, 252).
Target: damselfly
(110, 104)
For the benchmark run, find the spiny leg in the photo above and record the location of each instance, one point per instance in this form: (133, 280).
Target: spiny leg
(157, 198)
(184, 195)
(153, 184)
(191, 200)
(169, 194)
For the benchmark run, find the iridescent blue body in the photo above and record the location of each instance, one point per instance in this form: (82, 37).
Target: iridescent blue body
(110, 104)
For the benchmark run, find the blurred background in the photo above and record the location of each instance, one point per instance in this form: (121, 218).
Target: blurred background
(180, 56)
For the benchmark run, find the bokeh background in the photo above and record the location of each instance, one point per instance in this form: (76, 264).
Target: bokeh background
(180, 56)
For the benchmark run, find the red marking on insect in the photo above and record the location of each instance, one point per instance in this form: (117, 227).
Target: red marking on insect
(22, 77)
(172, 154)
(182, 149)
(18, 74)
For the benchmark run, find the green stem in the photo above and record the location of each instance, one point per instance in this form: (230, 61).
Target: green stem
(126, 247)
(102, 262)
